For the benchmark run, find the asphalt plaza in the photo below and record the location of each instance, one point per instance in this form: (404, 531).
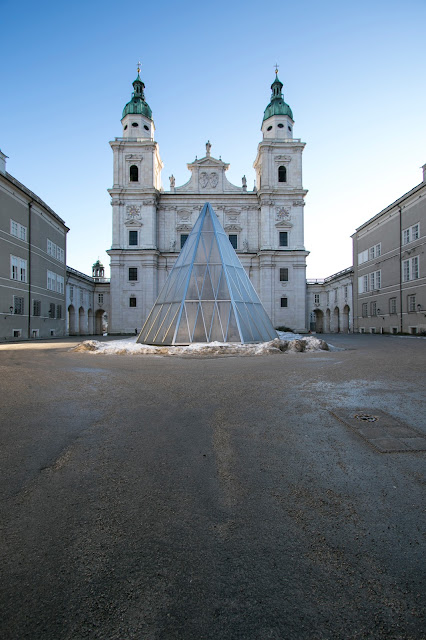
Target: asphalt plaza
(152, 497)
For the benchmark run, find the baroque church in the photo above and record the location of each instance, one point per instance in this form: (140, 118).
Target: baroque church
(150, 225)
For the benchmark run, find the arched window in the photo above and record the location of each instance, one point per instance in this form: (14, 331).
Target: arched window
(282, 174)
(134, 173)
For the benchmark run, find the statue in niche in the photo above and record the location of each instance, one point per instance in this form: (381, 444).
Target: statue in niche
(172, 181)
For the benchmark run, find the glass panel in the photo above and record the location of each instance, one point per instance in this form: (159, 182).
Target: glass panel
(200, 330)
(233, 332)
(257, 334)
(181, 284)
(215, 271)
(191, 313)
(187, 253)
(223, 308)
(208, 225)
(207, 239)
(200, 256)
(199, 272)
(182, 335)
(170, 321)
(150, 322)
(215, 255)
(216, 333)
(246, 334)
(155, 333)
(207, 293)
(223, 292)
(192, 293)
(208, 309)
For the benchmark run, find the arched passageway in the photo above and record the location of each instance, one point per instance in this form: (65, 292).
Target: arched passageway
(90, 328)
(319, 321)
(336, 321)
(71, 320)
(99, 322)
(327, 321)
(345, 319)
(82, 322)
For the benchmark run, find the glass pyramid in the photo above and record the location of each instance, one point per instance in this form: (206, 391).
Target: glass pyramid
(207, 296)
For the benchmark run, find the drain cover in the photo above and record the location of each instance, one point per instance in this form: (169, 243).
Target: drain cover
(384, 432)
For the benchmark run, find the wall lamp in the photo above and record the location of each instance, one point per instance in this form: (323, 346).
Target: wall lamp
(419, 308)
(379, 313)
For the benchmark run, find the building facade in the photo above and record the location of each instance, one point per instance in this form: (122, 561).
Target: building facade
(32, 263)
(390, 267)
(87, 301)
(329, 303)
(150, 225)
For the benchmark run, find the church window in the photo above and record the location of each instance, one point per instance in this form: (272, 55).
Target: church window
(280, 126)
(284, 274)
(133, 238)
(282, 174)
(289, 128)
(283, 239)
(269, 128)
(183, 239)
(146, 127)
(132, 301)
(133, 273)
(233, 239)
(100, 298)
(125, 127)
(134, 173)
(284, 302)
(135, 124)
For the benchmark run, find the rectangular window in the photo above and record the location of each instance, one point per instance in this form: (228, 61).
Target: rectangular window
(51, 281)
(283, 239)
(328, 298)
(132, 301)
(18, 269)
(346, 291)
(414, 268)
(60, 254)
(284, 274)
(415, 232)
(81, 297)
(373, 308)
(364, 310)
(406, 236)
(133, 238)
(18, 305)
(23, 270)
(133, 273)
(233, 239)
(14, 261)
(100, 298)
(405, 270)
(183, 239)
(371, 253)
(59, 284)
(316, 298)
(363, 256)
(18, 230)
(71, 292)
(375, 280)
(392, 305)
(51, 310)
(410, 269)
(17, 333)
(411, 303)
(51, 248)
(36, 308)
(59, 311)
(284, 302)
(335, 295)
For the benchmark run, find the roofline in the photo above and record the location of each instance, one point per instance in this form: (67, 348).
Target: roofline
(80, 274)
(391, 206)
(33, 196)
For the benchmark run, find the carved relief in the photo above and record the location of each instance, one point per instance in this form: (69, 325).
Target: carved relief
(207, 179)
(283, 158)
(282, 214)
(299, 203)
(133, 212)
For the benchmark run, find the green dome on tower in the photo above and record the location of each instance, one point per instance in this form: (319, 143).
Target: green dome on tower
(137, 103)
(277, 106)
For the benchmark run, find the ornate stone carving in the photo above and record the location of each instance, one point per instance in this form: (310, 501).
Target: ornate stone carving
(207, 179)
(233, 227)
(183, 227)
(133, 212)
(282, 214)
(133, 157)
(283, 158)
(298, 203)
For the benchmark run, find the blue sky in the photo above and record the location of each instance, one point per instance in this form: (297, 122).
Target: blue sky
(353, 75)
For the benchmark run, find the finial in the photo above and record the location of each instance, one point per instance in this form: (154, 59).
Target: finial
(276, 69)
(139, 67)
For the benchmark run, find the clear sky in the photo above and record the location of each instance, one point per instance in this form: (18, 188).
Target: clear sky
(353, 74)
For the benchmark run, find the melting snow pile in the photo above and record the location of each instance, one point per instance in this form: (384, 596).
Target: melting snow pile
(285, 343)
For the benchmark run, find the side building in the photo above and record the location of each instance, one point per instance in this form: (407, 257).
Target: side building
(32, 263)
(390, 267)
(329, 303)
(87, 301)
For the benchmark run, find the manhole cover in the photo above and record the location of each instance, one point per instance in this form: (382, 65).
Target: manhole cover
(384, 432)
(366, 417)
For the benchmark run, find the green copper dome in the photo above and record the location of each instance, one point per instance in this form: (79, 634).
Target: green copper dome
(277, 106)
(137, 103)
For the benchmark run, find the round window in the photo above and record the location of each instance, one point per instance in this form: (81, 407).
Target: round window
(269, 128)
(280, 126)
(135, 124)
(125, 127)
(289, 128)
(146, 127)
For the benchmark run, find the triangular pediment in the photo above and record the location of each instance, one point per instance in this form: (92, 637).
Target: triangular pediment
(207, 296)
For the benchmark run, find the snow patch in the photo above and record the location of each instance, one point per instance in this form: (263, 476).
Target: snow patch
(286, 343)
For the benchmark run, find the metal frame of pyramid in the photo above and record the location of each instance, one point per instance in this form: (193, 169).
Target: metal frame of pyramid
(207, 296)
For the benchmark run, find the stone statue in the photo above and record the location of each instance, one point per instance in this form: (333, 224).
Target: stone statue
(208, 147)
(244, 181)
(245, 246)
(173, 246)
(172, 181)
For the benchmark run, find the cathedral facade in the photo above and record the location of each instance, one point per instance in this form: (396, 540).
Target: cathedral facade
(150, 224)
